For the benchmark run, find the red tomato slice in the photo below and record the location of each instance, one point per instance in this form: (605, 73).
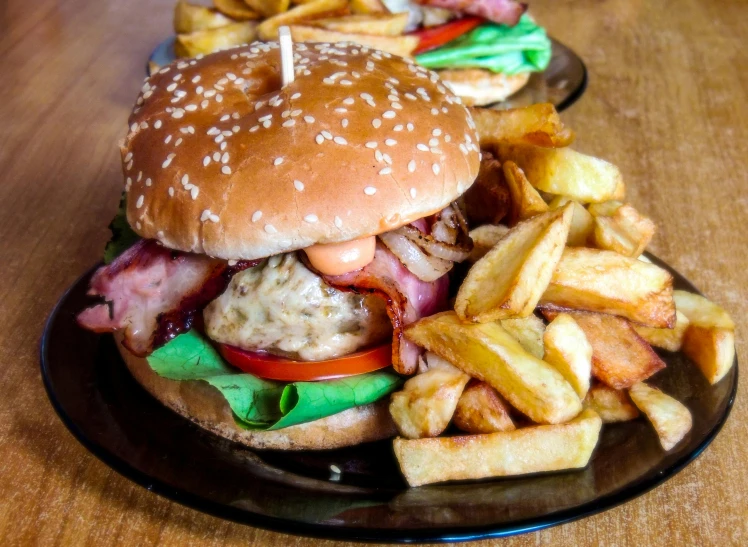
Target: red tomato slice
(272, 367)
(434, 37)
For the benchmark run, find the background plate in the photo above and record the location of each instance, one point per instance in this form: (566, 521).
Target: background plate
(562, 83)
(111, 415)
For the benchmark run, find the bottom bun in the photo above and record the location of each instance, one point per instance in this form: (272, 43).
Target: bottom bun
(478, 87)
(203, 404)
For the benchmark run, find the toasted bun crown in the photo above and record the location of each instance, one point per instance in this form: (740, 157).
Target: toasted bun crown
(220, 160)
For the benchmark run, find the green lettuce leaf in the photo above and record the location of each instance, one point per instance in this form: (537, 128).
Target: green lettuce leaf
(263, 404)
(524, 47)
(123, 236)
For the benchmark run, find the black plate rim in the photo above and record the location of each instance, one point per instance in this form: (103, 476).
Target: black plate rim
(369, 535)
(573, 97)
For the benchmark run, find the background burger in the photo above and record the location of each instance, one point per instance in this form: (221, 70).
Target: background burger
(274, 241)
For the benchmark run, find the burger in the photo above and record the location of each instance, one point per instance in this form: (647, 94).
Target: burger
(274, 240)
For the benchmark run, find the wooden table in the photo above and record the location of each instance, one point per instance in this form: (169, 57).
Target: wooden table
(667, 102)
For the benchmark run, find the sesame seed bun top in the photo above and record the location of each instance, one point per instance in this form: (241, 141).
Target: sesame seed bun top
(220, 160)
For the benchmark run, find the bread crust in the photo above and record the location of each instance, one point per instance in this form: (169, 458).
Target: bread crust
(219, 160)
(478, 87)
(203, 404)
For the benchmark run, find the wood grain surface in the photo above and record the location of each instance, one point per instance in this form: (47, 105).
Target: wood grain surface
(667, 102)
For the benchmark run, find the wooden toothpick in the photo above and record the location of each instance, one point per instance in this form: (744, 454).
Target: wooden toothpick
(286, 48)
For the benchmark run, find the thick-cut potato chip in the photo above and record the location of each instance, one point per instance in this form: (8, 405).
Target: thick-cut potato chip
(210, 40)
(607, 282)
(510, 279)
(193, 17)
(397, 45)
(268, 29)
(709, 340)
(566, 172)
(612, 405)
(427, 402)
(382, 24)
(670, 418)
(236, 9)
(482, 410)
(538, 125)
(567, 349)
(526, 202)
(487, 201)
(368, 6)
(582, 222)
(489, 353)
(528, 331)
(669, 339)
(268, 8)
(529, 450)
(484, 239)
(620, 357)
(624, 231)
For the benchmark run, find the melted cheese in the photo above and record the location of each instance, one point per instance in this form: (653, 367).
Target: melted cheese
(340, 258)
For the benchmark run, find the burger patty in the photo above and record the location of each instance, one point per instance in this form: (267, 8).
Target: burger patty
(281, 307)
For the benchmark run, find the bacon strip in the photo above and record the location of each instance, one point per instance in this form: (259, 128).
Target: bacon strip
(408, 299)
(153, 293)
(498, 11)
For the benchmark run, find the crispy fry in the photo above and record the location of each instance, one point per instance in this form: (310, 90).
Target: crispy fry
(607, 282)
(484, 238)
(526, 202)
(582, 222)
(482, 410)
(397, 45)
(709, 340)
(670, 418)
(624, 231)
(489, 353)
(236, 9)
(612, 405)
(528, 450)
(381, 24)
(669, 339)
(567, 349)
(566, 172)
(268, 8)
(511, 278)
(368, 6)
(210, 40)
(487, 201)
(528, 331)
(192, 17)
(268, 29)
(538, 125)
(427, 401)
(620, 357)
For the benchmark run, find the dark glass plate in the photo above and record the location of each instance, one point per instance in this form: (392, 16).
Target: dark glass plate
(562, 83)
(117, 420)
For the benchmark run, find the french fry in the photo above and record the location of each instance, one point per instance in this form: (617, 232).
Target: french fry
(427, 402)
(605, 208)
(192, 17)
(668, 339)
(566, 172)
(670, 418)
(482, 410)
(607, 282)
(582, 222)
(620, 357)
(612, 405)
(489, 353)
(268, 8)
(368, 6)
(709, 340)
(236, 9)
(538, 125)
(528, 331)
(214, 39)
(487, 201)
(624, 231)
(510, 279)
(519, 452)
(268, 29)
(381, 24)
(484, 238)
(567, 349)
(526, 202)
(397, 45)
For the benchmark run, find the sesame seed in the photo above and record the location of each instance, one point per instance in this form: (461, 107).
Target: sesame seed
(231, 76)
(341, 110)
(185, 179)
(266, 124)
(309, 119)
(167, 140)
(349, 101)
(463, 149)
(171, 87)
(371, 144)
(444, 109)
(194, 191)
(226, 170)
(390, 142)
(235, 116)
(235, 129)
(213, 218)
(257, 215)
(295, 113)
(219, 98)
(422, 147)
(298, 185)
(344, 122)
(216, 156)
(225, 117)
(128, 156)
(225, 158)
(178, 113)
(370, 190)
(196, 79)
(278, 161)
(435, 168)
(219, 139)
(434, 142)
(289, 123)
(327, 135)
(208, 94)
(295, 95)
(338, 222)
(157, 124)
(398, 127)
(139, 203)
(410, 96)
(311, 218)
(387, 159)
(171, 192)
(213, 131)
(148, 182)
(199, 90)
(178, 141)
(167, 161)
(340, 140)
(410, 126)
(328, 81)
(436, 132)
(412, 166)
(435, 111)
(378, 155)
(346, 82)
(285, 114)
(389, 114)
(447, 138)
(205, 215)
(319, 139)
(376, 122)
(269, 228)
(190, 107)
(254, 128)
(204, 104)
